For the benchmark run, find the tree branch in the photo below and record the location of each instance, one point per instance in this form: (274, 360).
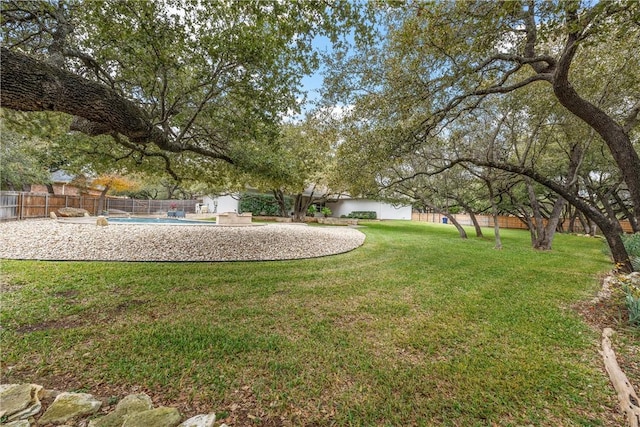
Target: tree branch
(632, 118)
(27, 84)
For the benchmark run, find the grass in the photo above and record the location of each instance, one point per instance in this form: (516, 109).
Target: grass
(417, 327)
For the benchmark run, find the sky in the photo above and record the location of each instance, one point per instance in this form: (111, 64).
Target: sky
(313, 83)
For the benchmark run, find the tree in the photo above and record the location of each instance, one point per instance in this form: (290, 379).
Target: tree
(21, 164)
(112, 183)
(164, 77)
(440, 62)
(302, 164)
(514, 50)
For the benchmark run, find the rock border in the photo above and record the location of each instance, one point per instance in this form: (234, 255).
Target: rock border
(22, 406)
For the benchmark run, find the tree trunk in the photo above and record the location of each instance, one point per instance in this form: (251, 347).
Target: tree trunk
(537, 230)
(454, 221)
(586, 225)
(102, 199)
(616, 246)
(494, 211)
(32, 85)
(301, 205)
(573, 216)
(532, 230)
(552, 225)
(280, 199)
(297, 206)
(472, 215)
(614, 135)
(635, 225)
(27, 84)
(476, 226)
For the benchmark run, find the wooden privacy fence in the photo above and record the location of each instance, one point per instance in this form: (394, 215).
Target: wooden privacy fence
(503, 221)
(22, 205)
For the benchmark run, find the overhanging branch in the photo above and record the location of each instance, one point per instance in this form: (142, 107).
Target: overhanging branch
(27, 84)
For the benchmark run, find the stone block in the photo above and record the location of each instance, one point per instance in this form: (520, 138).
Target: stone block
(233, 218)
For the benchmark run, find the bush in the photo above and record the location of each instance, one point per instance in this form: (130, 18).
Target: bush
(363, 215)
(262, 204)
(311, 210)
(631, 287)
(632, 245)
(326, 211)
(632, 301)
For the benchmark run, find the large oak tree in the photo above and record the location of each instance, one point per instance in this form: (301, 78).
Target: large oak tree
(165, 77)
(439, 61)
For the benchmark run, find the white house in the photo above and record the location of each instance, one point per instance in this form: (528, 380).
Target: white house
(220, 204)
(383, 210)
(339, 207)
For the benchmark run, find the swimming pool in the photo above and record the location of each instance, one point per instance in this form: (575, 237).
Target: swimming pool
(160, 221)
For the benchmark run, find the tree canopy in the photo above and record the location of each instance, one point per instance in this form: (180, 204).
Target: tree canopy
(440, 67)
(166, 77)
(547, 93)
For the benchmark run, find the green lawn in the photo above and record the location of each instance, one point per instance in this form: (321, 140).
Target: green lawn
(417, 327)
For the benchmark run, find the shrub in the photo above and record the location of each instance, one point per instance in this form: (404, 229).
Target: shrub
(363, 215)
(632, 301)
(632, 245)
(311, 210)
(262, 204)
(631, 287)
(325, 211)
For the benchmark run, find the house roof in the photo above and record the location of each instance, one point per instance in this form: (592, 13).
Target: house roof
(61, 176)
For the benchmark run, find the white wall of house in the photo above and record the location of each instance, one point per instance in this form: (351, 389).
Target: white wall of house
(383, 210)
(220, 204)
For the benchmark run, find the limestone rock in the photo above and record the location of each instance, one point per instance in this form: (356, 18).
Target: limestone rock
(200, 421)
(68, 406)
(102, 221)
(21, 423)
(159, 417)
(20, 401)
(131, 404)
(53, 215)
(72, 212)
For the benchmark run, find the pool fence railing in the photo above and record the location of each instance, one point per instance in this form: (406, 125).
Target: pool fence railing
(17, 205)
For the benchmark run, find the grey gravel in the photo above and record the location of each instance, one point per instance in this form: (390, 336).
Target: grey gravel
(55, 240)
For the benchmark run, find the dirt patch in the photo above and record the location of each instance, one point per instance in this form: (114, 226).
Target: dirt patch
(122, 307)
(70, 294)
(65, 323)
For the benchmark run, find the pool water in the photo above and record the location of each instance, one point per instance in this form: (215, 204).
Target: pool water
(167, 221)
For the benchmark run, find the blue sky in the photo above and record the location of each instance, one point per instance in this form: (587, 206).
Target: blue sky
(312, 84)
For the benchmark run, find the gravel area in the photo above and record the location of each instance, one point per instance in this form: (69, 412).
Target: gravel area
(57, 240)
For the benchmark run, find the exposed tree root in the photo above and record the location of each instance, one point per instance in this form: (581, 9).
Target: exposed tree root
(629, 402)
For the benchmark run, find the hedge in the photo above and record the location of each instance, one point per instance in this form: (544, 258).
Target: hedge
(362, 215)
(262, 204)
